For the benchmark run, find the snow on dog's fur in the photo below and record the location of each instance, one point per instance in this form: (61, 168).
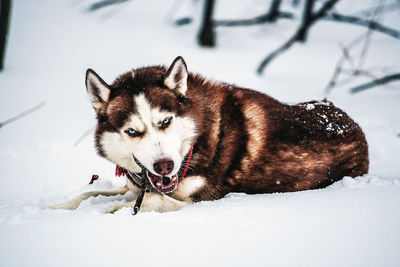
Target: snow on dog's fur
(243, 140)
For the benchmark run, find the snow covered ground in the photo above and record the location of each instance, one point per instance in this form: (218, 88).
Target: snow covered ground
(354, 222)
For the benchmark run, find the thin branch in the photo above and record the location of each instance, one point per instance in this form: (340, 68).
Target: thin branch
(304, 27)
(348, 57)
(385, 9)
(375, 18)
(322, 12)
(354, 74)
(355, 71)
(338, 68)
(363, 22)
(254, 21)
(276, 53)
(377, 82)
(271, 16)
(104, 3)
(183, 21)
(22, 114)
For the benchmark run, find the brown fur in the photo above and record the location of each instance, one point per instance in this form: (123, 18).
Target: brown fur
(247, 141)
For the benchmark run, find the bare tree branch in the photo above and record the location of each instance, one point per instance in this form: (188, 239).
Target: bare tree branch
(385, 9)
(363, 22)
(296, 37)
(104, 3)
(375, 18)
(271, 16)
(359, 70)
(254, 21)
(22, 114)
(377, 82)
(276, 53)
(328, 5)
(348, 57)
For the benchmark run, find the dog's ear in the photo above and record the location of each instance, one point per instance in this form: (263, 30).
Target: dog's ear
(98, 90)
(176, 76)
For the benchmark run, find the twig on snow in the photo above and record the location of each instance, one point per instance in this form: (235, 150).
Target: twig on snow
(22, 114)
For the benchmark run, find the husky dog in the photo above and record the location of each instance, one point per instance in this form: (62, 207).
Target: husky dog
(239, 140)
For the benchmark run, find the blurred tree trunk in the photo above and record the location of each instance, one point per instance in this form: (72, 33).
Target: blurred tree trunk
(5, 9)
(206, 36)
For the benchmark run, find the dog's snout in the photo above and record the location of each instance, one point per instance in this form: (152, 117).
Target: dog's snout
(163, 166)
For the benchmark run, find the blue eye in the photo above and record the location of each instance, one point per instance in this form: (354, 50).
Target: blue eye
(132, 132)
(165, 123)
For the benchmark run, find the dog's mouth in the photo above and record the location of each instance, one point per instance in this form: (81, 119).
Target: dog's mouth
(164, 184)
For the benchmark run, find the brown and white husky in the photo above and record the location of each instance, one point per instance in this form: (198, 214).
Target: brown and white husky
(152, 119)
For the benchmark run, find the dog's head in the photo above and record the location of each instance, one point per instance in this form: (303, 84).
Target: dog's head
(146, 121)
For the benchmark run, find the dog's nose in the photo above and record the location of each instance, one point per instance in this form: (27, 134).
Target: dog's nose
(163, 166)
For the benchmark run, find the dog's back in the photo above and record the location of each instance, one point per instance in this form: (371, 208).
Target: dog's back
(252, 143)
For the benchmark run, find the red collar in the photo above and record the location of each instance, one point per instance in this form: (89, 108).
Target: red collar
(119, 171)
(189, 157)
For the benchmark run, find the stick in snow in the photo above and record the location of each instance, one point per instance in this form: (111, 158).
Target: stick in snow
(22, 114)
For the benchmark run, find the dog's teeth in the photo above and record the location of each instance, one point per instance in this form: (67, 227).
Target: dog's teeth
(159, 184)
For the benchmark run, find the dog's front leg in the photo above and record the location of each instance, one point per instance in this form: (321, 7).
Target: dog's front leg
(74, 203)
(161, 203)
(153, 202)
